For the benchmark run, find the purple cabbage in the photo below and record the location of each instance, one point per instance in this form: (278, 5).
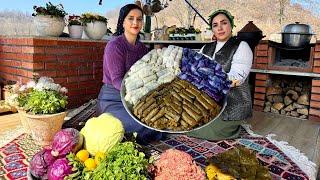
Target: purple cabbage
(216, 97)
(201, 64)
(66, 141)
(59, 169)
(206, 74)
(183, 76)
(40, 163)
(205, 71)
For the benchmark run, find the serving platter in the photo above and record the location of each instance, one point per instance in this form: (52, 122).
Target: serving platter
(129, 109)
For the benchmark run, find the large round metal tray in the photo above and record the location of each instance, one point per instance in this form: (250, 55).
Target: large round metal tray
(129, 107)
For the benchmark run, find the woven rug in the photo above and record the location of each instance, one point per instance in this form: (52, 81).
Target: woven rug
(16, 154)
(280, 166)
(15, 157)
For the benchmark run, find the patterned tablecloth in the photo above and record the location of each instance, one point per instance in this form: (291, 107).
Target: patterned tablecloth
(14, 156)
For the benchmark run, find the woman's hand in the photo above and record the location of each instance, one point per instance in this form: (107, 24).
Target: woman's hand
(235, 83)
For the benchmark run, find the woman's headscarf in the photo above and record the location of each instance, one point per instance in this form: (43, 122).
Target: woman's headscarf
(124, 11)
(222, 11)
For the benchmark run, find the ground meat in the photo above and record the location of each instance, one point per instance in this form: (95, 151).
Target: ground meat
(177, 165)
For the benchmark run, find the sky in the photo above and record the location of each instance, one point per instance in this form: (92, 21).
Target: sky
(76, 6)
(71, 6)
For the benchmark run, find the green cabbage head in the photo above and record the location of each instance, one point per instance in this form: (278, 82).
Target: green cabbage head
(102, 133)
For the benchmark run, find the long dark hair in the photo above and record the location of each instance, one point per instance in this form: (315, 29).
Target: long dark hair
(124, 11)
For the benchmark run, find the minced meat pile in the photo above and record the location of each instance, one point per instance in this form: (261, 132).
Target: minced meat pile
(177, 165)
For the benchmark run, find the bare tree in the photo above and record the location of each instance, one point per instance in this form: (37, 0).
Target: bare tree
(282, 4)
(312, 5)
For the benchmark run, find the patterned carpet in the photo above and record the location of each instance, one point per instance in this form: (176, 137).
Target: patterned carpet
(16, 154)
(15, 157)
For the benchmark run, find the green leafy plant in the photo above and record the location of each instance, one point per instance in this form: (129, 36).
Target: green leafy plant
(74, 20)
(123, 161)
(182, 30)
(42, 96)
(50, 9)
(88, 17)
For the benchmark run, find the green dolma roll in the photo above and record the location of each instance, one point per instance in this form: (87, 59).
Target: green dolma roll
(176, 95)
(149, 109)
(204, 102)
(158, 115)
(188, 119)
(185, 97)
(137, 107)
(184, 124)
(176, 108)
(146, 105)
(192, 106)
(193, 92)
(192, 113)
(188, 94)
(151, 114)
(209, 100)
(175, 116)
(177, 86)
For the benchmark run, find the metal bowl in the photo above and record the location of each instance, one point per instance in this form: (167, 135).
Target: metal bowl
(296, 40)
(129, 107)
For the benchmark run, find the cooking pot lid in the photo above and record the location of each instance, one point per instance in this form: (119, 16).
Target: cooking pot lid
(250, 27)
(297, 28)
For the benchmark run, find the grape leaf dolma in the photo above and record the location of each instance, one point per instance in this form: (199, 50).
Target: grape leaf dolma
(241, 163)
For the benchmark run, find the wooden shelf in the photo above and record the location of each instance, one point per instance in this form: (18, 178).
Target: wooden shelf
(307, 74)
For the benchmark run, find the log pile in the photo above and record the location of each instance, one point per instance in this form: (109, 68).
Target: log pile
(288, 97)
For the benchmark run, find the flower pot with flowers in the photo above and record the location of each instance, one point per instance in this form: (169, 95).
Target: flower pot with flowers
(49, 20)
(95, 26)
(75, 27)
(43, 103)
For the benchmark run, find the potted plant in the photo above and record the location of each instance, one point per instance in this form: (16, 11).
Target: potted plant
(95, 26)
(49, 20)
(42, 103)
(196, 33)
(75, 27)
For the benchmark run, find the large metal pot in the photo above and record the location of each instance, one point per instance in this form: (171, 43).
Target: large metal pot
(251, 34)
(296, 35)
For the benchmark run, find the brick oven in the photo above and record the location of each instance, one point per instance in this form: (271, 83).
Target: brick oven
(287, 81)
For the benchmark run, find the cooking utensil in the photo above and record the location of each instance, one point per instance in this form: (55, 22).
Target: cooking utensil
(251, 34)
(296, 35)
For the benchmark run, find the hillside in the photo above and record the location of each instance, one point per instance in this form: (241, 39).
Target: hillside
(265, 14)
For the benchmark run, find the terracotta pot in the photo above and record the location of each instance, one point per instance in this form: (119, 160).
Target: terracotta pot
(23, 120)
(95, 30)
(49, 26)
(44, 127)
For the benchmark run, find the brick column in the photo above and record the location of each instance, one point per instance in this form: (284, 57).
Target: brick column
(261, 56)
(316, 58)
(73, 63)
(314, 112)
(260, 91)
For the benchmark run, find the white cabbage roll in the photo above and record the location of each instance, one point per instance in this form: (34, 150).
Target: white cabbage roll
(134, 85)
(149, 78)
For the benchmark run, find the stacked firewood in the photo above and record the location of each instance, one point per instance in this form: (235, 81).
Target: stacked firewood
(288, 97)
